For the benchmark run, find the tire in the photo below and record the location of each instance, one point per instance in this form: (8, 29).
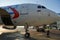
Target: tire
(27, 35)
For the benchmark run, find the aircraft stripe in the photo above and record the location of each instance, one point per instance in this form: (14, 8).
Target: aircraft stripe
(16, 13)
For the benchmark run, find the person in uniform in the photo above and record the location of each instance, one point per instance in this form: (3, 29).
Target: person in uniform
(48, 31)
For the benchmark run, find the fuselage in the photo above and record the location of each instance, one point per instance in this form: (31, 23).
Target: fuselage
(33, 14)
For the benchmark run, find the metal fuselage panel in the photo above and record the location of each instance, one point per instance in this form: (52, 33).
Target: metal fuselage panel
(28, 13)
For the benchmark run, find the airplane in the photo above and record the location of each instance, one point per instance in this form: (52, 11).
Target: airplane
(27, 14)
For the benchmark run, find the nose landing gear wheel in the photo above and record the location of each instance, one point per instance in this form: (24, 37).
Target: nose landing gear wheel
(27, 35)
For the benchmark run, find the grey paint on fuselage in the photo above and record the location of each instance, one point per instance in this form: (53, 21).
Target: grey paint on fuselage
(29, 14)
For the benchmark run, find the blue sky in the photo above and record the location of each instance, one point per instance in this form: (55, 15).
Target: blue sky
(53, 5)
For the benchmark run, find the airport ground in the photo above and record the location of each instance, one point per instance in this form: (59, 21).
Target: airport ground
(54, 35)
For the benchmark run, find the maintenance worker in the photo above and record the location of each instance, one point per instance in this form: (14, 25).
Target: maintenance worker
(48, 31)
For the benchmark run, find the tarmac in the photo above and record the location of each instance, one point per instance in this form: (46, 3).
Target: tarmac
(54, 35)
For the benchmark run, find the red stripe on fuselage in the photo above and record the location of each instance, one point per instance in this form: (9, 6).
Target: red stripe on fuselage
(16, 13)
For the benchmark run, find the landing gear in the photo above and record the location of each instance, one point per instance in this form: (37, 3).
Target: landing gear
(41, 28)
(44, 27)
(27, 34)
(37, 28)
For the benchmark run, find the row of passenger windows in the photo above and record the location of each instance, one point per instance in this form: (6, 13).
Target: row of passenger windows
(41, 7)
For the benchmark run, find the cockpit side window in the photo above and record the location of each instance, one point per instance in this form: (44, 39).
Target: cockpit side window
(38, 10)
(38, 6)
(43, 7)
